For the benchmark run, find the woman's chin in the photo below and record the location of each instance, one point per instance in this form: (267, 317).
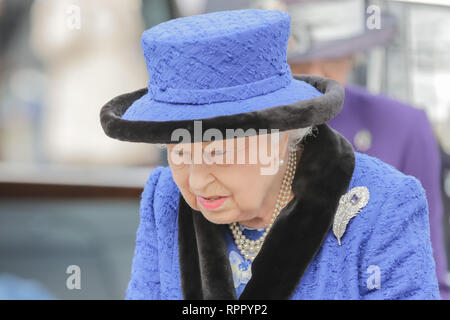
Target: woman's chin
(222, 217)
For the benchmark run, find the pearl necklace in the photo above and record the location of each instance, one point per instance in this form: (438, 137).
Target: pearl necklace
(250, 248)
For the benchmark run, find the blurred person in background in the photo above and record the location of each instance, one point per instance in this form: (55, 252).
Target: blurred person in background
(13, 61)
(91, 51)
(445, 186)
(325, 44)
(18, 100)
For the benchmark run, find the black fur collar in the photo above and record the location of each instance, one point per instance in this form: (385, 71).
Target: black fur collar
(323, 174)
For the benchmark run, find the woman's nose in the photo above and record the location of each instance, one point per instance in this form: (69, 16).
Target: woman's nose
(199, 176)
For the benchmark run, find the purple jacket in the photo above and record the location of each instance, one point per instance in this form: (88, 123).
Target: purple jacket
(401, 136)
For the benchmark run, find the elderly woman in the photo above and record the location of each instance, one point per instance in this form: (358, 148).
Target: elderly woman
(261, 198)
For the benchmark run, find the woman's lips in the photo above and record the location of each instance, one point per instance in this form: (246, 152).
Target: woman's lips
(211, 204)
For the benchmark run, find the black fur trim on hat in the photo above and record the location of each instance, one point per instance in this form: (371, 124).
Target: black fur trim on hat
(300, 114)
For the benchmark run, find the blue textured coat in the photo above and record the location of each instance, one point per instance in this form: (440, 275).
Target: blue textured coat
(389, 239)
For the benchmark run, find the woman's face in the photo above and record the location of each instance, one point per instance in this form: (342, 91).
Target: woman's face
(250, 187)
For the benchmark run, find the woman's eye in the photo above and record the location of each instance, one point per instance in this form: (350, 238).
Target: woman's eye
(179, 157)
(181, 152)
(218, 152)
(219, 158)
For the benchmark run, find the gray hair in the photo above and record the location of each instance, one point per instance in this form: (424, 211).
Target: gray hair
(296, 137)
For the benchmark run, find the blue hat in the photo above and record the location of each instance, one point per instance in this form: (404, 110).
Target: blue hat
(226, 68)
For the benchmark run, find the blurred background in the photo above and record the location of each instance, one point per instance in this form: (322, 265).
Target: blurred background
(69, 195)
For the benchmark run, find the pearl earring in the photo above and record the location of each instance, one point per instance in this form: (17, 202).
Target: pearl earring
(281, 161)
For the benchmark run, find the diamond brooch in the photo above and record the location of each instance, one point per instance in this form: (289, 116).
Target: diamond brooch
(350, 204)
